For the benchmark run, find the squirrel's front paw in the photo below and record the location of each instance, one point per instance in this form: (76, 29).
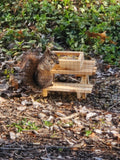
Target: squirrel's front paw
(51, 84)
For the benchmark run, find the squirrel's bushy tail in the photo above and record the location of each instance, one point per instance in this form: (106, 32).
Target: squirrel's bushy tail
(29, 64)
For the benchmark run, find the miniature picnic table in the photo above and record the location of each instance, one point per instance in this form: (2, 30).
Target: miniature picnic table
(73, 64)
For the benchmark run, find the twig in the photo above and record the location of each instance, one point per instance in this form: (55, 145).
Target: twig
(113, 105)
(69, 117)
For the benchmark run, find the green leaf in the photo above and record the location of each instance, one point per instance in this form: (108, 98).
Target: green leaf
(88, 132)
(47, 123)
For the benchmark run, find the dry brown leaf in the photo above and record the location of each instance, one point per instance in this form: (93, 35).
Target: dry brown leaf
(102, 36)
(2, 100)
(82, 144)
(94, 137)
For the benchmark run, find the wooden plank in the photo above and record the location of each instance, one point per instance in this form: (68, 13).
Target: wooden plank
(71, 64)
(80, 73)
(69, 60)
(84, 80)
(57, 67)
(81, 56)
(89, 62)
(44, 93)
(81, 59)
(81, 95)
(70, 84)
(70, 87)
(88, 68)
(68, 53)
(94, 70)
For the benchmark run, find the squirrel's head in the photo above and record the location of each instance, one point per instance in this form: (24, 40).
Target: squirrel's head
(51, 55)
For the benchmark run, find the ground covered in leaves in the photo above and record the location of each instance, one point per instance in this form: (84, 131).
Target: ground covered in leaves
(60, 126)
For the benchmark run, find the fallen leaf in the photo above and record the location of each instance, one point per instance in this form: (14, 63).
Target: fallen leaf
(102, 36)
(91, 114)
(21, 108)
(12, 135)
(2, 100)
(93, 136)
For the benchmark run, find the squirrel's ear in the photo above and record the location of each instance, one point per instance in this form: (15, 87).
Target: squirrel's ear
(47, 51)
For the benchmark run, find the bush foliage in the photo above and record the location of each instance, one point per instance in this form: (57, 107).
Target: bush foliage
(28, 24)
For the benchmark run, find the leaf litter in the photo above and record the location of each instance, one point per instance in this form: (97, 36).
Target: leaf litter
(60, 126)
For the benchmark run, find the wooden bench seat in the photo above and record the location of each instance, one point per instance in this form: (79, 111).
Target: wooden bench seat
(69, 87)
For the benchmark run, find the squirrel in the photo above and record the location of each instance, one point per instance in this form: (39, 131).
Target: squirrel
(35, 70)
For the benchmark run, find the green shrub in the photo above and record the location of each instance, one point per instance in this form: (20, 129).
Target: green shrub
(32, 24)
